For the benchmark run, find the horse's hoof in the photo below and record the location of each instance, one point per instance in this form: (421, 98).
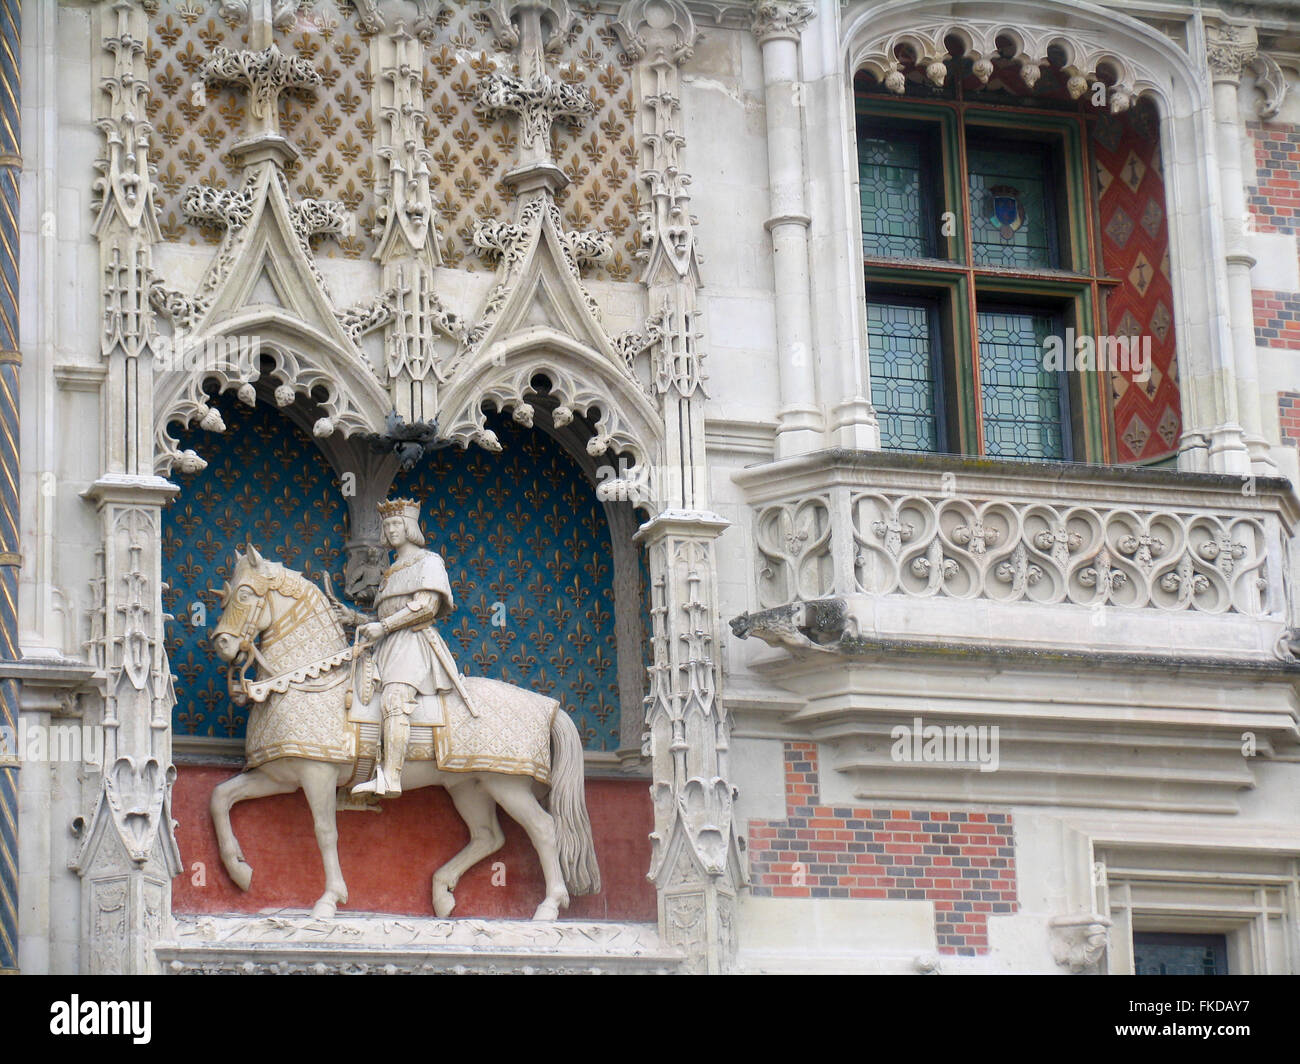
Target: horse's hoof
(324, 909)
(242, 874)
(443, 901)
(548, 910)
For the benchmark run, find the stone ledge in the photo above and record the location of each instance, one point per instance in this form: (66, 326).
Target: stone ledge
(291, 942)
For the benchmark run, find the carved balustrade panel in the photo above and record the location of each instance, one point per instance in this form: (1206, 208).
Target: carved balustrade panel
(795, 554)
(865, 523)
(1035, 552)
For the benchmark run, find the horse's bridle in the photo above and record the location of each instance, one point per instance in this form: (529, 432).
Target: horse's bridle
(240, 621)
(242, 626)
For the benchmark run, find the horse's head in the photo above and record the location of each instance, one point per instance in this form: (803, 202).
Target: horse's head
(246, 611)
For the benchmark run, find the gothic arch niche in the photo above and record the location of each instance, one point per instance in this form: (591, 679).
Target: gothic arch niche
(266, 481)
(549, 586)
(267, 478)
(1081, 44)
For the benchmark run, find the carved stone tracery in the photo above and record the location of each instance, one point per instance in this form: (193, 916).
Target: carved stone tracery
(1085, 57)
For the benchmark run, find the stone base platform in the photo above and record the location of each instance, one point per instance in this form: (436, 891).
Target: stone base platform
(292, 943)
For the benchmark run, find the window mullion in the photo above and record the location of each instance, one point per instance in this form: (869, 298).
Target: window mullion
(966, 362)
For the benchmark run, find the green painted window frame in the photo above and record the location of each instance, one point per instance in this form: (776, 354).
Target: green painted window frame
(1073, 290)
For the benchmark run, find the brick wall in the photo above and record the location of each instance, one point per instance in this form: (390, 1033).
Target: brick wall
(1277, 319)
(962, 862)
(1288, 408)
(1275, 201)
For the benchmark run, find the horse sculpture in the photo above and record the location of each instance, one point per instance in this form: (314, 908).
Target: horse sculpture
(314, 724)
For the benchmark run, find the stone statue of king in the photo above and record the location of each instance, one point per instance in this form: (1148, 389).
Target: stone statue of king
(411, 657)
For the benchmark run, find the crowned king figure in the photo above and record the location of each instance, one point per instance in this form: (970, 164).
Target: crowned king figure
(411, 657)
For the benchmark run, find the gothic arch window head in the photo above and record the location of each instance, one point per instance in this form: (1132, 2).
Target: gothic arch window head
(1132, 96)
(1016, 255)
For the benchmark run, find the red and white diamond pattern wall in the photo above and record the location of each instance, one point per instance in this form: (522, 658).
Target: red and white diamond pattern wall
(1135, 251)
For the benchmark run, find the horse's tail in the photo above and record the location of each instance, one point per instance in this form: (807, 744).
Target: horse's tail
(569, 808)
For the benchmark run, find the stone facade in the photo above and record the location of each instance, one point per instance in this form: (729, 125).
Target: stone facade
(625, 240)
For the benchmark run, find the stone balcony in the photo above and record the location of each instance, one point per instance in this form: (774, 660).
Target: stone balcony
(1118, 623)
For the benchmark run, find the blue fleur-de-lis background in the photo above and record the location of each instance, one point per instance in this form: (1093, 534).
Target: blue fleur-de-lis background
(525, 541)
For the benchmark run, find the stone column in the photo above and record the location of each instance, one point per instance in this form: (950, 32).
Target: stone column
(128, 852)
(695, 863)
(777, 25)
(10, 558)
(1229, 49)
(835, 238)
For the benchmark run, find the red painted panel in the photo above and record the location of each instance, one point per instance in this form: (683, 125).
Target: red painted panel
(389, 857)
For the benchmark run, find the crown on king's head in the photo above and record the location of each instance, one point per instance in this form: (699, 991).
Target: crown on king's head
(399, 508)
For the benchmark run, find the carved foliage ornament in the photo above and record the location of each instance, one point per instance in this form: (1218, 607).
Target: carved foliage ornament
(266, 75)
(778, 19)
(1229, 49)
(538, 103)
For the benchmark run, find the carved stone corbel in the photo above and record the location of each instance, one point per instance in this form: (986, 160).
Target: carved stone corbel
(1079, 942)
(1272, 84)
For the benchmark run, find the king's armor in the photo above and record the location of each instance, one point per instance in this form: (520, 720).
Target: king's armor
(411, 657)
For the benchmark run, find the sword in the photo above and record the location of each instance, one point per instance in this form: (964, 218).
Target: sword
(443, 654)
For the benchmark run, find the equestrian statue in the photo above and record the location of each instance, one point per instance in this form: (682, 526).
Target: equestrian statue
(389, 711)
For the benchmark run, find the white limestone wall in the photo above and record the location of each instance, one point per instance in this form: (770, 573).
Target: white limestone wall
(726, 155)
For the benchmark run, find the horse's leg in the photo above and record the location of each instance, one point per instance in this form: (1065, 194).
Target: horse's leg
(255, 784)
(479, 811)
(515, 795)
(320, 780)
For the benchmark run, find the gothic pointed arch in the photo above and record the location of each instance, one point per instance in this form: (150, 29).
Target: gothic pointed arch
(262, 343)
(579, 380)
(1090, 44)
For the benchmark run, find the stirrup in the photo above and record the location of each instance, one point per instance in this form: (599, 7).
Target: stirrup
(376, 786)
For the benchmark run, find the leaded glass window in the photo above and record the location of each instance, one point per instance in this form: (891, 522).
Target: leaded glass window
(1024, 404)
(1013, 220)
(891, 172)
(978, 235)
(1158, 953)
(903, 340)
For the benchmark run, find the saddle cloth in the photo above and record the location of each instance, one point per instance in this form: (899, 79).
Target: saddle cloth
(511, 734)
